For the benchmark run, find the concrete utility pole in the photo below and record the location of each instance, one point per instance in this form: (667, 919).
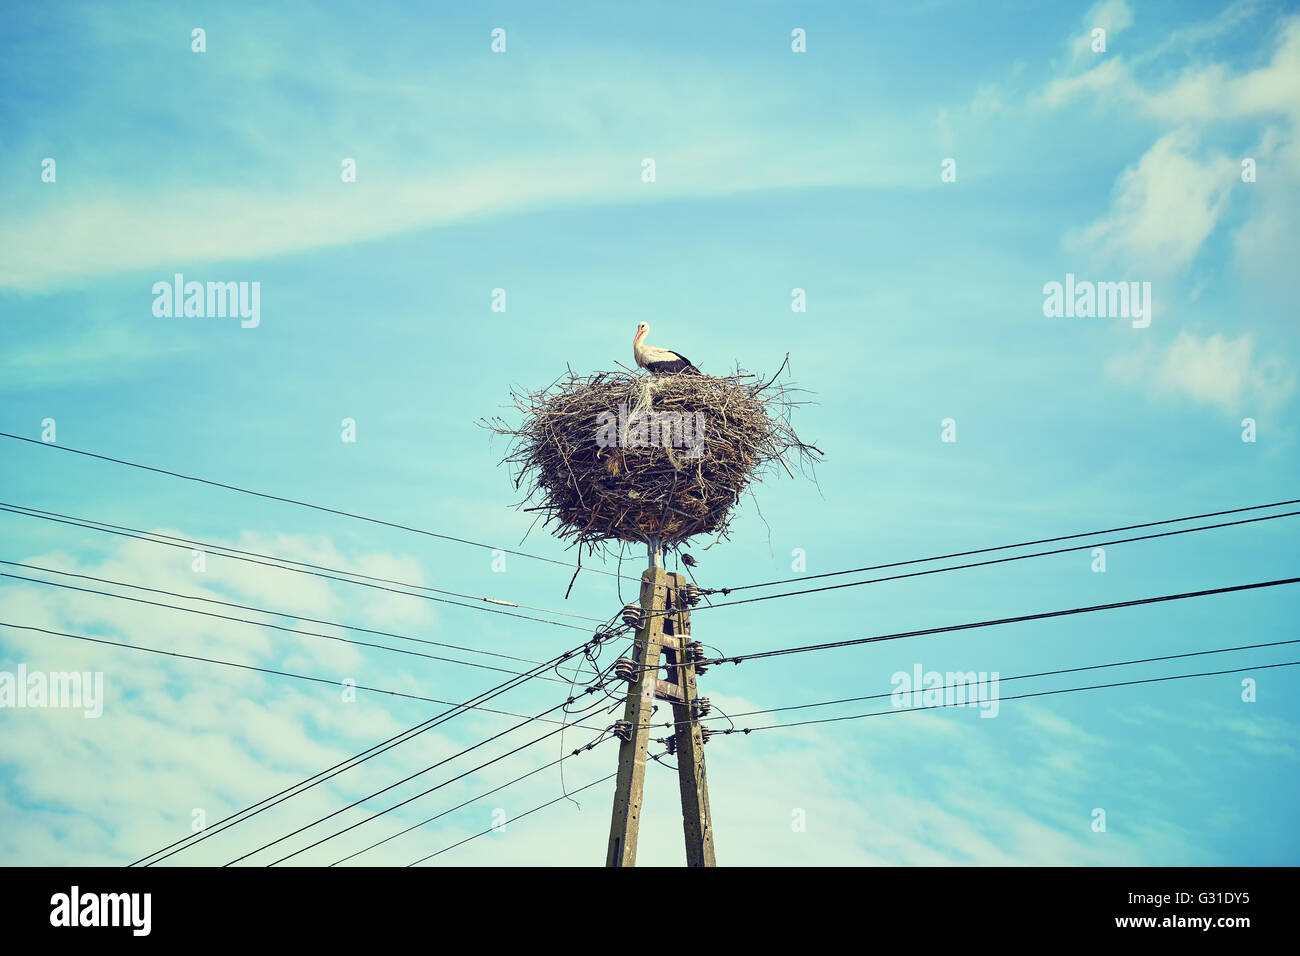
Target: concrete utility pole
(664, 632)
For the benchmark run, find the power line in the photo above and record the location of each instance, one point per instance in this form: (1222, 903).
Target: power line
(260, 610)
(460, 806)
(423, 793)
(285, 564)
(277, 627)
(405, 779)
(1004, 547)
(1041, 693)
(520, 817)
(992, 561)
(1004, 680)
(219, 550)
(1041, 615)
(299, 503)
(859, 716)
(880, 713)
(349, 763)
(260, 670)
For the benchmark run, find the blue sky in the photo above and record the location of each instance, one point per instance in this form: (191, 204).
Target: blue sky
(775, 170)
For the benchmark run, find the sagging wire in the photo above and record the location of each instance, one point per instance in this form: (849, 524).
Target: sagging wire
(591, 652)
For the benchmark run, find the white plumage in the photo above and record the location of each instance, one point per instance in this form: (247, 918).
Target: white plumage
(657, 360)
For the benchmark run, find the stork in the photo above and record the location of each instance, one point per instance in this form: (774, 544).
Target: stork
(659, 361)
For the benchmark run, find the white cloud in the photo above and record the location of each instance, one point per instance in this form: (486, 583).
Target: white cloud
(1202, 94)
(430, 152)
(188, 228)
(1213, 94)
(1113, 16)
(179, 735)
(1213, 371)
(1110, 75)
(1164, 209)
(82, 353)
(1171, 202)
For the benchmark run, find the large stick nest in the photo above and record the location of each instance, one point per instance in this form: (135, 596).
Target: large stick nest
(616, 456)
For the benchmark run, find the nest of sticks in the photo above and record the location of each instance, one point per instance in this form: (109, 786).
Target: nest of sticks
(618, 456)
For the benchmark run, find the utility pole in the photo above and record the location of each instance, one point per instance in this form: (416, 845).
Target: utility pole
(662, 635)
(688, 737)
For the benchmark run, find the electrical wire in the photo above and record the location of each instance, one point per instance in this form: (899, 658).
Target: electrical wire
(980, 564)
(345, 765)
(1042, 693)
(1003, 680)
(380, 813)
(543, 806)
(598, 638)
(460, 806)
(277, 627)
(735, 659)
(1005, 547)
(261, 670)
(853, 717)
(295, 501)
(262, 610)
(1041, 615)
(284, 564)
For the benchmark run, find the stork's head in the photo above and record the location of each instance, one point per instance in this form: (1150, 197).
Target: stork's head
(642, 329)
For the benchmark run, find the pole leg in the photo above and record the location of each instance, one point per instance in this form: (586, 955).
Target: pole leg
(626, 818)
(696, 823)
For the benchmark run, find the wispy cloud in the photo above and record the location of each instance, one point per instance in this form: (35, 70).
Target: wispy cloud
(1113, 16)
(1213, 370)
(1164, 209)
(1166, 206)
(277, 189)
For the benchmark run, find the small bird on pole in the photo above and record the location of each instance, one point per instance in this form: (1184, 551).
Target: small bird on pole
(689, 561)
